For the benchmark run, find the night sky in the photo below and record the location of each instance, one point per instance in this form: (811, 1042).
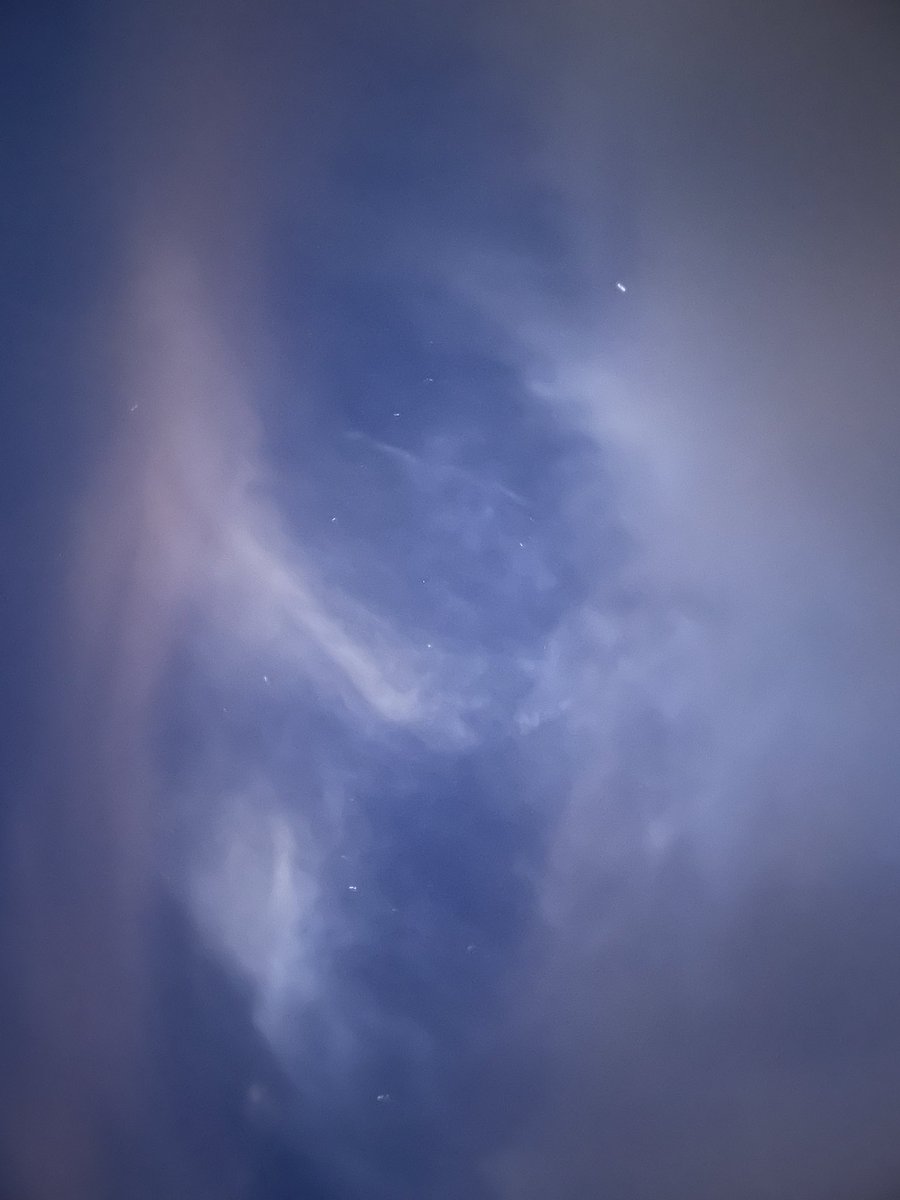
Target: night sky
(450, 514)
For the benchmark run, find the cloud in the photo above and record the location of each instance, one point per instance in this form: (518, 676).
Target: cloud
(728, 695)
(531, 753)
(176, 533)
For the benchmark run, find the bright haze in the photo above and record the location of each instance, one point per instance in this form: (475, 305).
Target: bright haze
(451, 636)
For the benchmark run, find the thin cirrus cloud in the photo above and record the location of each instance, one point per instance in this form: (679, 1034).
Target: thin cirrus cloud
(497, 658)
(734, 779)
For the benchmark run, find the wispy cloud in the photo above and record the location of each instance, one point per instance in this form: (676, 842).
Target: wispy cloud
(566, 752)
(726, 696)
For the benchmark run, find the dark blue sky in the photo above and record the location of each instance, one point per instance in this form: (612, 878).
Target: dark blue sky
(449, 628)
